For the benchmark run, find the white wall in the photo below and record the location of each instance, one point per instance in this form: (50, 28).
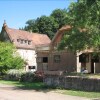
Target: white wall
(29, 56)
(78, 64)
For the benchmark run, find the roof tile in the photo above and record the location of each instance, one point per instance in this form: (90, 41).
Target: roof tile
(35, 38)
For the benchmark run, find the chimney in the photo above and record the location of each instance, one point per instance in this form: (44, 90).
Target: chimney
(4, 24)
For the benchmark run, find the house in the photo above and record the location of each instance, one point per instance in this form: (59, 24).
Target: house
(25, 43)
(49, 59)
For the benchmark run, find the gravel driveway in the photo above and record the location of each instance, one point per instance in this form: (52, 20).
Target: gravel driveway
(12, 93)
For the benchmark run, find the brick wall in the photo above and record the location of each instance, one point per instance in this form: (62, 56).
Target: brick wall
(67, 61)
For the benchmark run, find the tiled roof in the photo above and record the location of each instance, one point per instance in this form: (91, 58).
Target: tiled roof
(35, 38)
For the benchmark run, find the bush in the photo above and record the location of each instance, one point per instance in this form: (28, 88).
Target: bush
(39, 76)
(19, 75)
(31, 77)
(27, 77)
(13, 75)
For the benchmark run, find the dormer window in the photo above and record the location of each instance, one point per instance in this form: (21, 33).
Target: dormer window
(18, 40)
(21, 41)
(25, 41)
(29, 42)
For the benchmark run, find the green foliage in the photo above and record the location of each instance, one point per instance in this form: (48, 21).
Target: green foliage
(48, 25)
(8, 59)
(31, 26)
(27, 77)
(30, 77)
(86, 94)
(22, 76)
(84, 14)
(26, 85)
(13, 75)
(17, 62)
(60, 17)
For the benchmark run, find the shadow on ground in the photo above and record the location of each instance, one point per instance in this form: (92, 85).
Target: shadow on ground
(36, 86)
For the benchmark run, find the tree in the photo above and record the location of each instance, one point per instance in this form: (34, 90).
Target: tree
(60, 17)
(8, 58)
(84, 14)
(31, 26)
(48, 25)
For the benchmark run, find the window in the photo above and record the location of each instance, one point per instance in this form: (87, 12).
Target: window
(25, 41)
(31, 67)
(45, 59)
(57, 58)
(21, 42)
(39, 59)
(18, 40)
(29, 42)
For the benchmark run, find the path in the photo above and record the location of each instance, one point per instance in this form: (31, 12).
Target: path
(12, 93)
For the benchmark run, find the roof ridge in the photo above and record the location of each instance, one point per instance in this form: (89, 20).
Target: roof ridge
(27, 31)
(18, 30)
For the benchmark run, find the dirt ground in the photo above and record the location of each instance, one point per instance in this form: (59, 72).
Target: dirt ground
(12, 93)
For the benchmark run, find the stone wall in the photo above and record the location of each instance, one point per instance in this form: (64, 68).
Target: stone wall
(73, 82)
(66, 62)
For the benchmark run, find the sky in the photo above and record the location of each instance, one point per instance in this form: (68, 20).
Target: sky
(17, 12)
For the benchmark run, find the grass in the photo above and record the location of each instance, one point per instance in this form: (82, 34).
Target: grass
(80, 93)
(97, 76)
(25, 85)
(41, 86)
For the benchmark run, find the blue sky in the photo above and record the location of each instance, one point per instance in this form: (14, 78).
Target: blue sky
(17, 12)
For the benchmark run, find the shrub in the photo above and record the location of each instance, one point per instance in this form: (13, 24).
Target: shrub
(39, 76)
(32, 77)
(27, 77)
(19, 75)
(13, 75)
